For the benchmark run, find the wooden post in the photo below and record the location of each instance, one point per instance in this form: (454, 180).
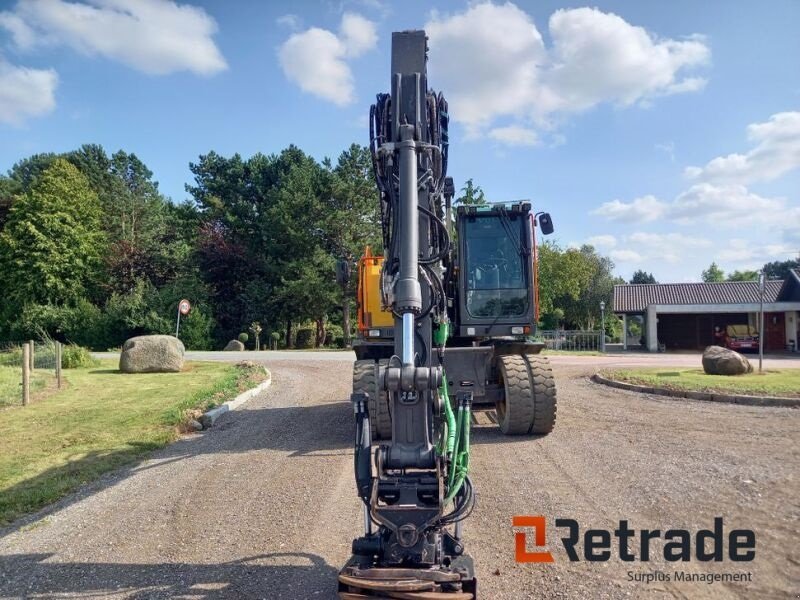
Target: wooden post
(58, 364)
(32, 347)
(26, 374)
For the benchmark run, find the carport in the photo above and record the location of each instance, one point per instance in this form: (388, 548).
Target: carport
(689, 316)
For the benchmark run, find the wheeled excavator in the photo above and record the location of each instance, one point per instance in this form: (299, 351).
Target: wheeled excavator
(446, 315)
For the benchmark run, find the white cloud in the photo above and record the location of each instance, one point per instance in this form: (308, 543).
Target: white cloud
(153, 36)
(315, 58)
(624, 255)
(290, 21)
(25, 92)
(777, 151)
(639, 210)
(723, 203)
(357, 34)
(602, 241)
(667, 247)
(514, 135)
(494, 64)
(748, 254)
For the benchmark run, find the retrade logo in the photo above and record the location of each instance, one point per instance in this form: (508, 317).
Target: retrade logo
(598, 545)
(540, 537)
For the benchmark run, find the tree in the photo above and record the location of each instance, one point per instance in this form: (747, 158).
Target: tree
(780, 269)
(471, 195)
(743, 276)
(351, 215)
(641, 276)
(52, 245)
(713, 274)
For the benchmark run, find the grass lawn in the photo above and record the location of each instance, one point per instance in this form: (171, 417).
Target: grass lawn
(774, 382)
(11, 385)
(101, 420)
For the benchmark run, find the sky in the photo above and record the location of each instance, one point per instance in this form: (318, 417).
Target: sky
(666, 134)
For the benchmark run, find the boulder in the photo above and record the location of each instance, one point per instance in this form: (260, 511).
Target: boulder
(721, 361)
(234, 346)
(152, 354)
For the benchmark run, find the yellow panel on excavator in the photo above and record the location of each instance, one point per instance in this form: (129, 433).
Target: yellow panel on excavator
(370, 313)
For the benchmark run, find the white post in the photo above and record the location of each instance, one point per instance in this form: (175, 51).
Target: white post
(178, 322)
(652, 329)
(624, 331)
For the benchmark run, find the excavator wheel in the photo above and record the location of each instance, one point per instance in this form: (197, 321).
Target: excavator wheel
(545, 404)
(365, 379)
(529, 402)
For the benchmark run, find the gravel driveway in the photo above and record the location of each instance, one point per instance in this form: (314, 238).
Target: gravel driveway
(263, 505)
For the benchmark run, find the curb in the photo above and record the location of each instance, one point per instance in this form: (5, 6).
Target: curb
(209, 418)
(705, 396)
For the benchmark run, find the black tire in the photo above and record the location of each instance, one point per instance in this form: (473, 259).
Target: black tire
(365, 380)
(515, 410)
(545, 403)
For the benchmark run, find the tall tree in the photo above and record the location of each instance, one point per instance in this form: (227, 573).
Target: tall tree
(52, 245)
(713, 274)
(780, 269)
(351, 216)
(471, 195)
(641, 276)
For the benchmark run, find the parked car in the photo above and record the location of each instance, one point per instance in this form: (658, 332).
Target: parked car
(741, 338)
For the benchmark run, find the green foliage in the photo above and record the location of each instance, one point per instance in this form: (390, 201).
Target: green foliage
(780, 269)
(52, 244)
(76, 357)
(471, 195)
(743, 276)
(641, 276)
(574, 281)
(243, 337)
(713, 274)
(305, 338)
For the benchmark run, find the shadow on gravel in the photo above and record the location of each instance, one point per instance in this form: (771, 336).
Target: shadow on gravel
(264, 576)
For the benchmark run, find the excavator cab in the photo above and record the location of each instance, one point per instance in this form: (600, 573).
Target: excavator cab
(497, 271)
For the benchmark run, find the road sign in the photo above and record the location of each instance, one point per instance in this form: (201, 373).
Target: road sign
(184, 307)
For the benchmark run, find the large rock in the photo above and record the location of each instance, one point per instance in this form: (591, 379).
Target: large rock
(234, 346)
(721, 361)
(152, 354)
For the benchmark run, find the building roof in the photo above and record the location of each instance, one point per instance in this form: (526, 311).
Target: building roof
(636, 297)
(791, 287)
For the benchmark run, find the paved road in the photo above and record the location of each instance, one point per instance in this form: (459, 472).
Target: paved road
(626, 359)
(263, 506)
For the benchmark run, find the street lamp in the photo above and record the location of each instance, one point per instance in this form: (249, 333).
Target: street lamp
(602, 326)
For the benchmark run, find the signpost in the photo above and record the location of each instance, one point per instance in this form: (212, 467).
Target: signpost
(183, 309)
(762, 282)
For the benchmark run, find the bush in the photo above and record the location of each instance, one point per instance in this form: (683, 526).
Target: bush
(305, 338)
(75, 357)
(334, 334)
(243, 337)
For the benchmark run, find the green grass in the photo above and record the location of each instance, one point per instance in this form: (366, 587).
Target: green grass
(11, 385)
(774, 382)
(102, 420)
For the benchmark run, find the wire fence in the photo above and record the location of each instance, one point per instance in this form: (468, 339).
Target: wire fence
(578, 341)
(28, 369)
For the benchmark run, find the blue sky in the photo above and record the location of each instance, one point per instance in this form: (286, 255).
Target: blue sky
(667, 134)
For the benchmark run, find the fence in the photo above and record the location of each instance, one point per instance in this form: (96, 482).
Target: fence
(570, 340)
(28, 368)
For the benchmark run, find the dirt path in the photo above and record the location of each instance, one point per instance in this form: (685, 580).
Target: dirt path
(263, 506)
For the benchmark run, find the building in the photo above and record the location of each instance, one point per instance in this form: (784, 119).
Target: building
(691, 315)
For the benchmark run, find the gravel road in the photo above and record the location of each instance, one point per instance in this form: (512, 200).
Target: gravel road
(263, 505)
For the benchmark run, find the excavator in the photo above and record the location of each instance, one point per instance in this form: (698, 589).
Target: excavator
(446, 316)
